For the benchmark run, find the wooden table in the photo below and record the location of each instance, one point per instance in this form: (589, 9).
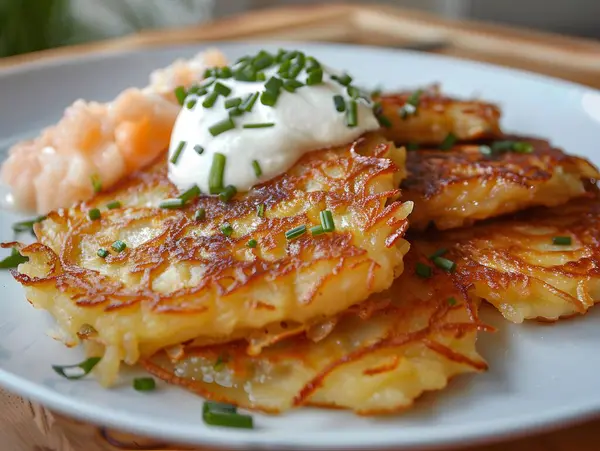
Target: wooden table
(28, 427)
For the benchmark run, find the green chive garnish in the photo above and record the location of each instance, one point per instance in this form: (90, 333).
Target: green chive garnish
(274, 85)
(27, 226)
(344, 79)
(262, 60)
(233, 112)
(199, 149)
(200, 214)
(210, 99)
(252, 243)
(415, 98)
(13, 260)
(94, 214)
(118, 246)
(317, 230)
(227, 230)
(219, 365)
(268, 98)
(412, 146)
(190, 194)
(562, 240)
(257, 168)
(327, 221)
(113, 205)
(315, 77)
(444, 263)
(171, 204)
(352, 114)
(339, 103)
(223, 72)
(216, 414)
(292, 85)
(260, 210)
(438, 253)
(262, 125)
(180, 94)
(86, 366)
(249, 102)
(514, 146)
(448, 141)
(452, 301)
(144, 384)
(221, 127)
(191, 104)
(522, 147)
(96, 183)
(384, 121)
(353, 92)
(423, 270)
(233, 102)
(217, 170)
(102, 253)
(296, 232)
(227, 194)
(311, 63)
(177, 152)
(221, 89)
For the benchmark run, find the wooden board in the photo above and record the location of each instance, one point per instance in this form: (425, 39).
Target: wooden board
(26, 426)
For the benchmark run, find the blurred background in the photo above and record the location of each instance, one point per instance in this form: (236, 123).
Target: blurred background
(30, 25)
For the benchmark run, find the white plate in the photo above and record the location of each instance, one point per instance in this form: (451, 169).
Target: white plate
(540, 375)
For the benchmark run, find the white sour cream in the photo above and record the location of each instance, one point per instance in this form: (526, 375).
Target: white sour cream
(304, 121)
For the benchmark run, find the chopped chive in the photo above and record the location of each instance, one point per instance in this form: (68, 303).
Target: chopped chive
(260, 210)
(249, 102)
(245, 74)
(113, 205)
(252, 243)
(144, 384)
(221, 89)
(224, 72)
(502, 146)
(268, 98)
(210, 99)
(377, 108)
(406, 110)
(522, 147)
(207, 83)
(327, 221)
(412, 146)
(452, 301)
(339, 103)
(294, 71)
(199, 149)
(311, 63)
(96, 183)
(227, 194)
(263, 60)
(233, 102)
(296, 232)
(353, 92)
(233, 112)
(257, 168)
(191, 104)
(261, 76)
(352, 114)
(200, 214)
(13, 260)
(486, 150)
(215, 414)
(226, 230)
(315, 77)
(180, 94)
(562, 240)
(274, 85)
(263, 125)
(217, 171)
(281, 55)
(94, 214)
(26, 226)
(415, 98)
(317, 230)
(284, 68)
(292, 85)
(190, 194)
(448, 141)
(343, 79)
(221, 127)
(438, 253)
(219, 366)
(177, 152)
(118, 246)
(197, 90)
(444, 263)
(384, 121)
(86, 366)
(423, 270)
(171, 204)
(102, 253)
(208, 73)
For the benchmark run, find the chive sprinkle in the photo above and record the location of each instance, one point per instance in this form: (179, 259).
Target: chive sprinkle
(180, 94)
(191, 104)
(352, 114)
(171, 204)
(448, 141)
(512, 146)
(86, 366)
(452, 301)
(292, 85)
(296, 232)
(221, 89)
(339, 103)
(249, 102)
(144, 384)
(562, 240)
(268, 98)
(200, 214)
(210, 99)
(384, 121)
(217, 414)
(252, 243)
(26, 226)
(94, 214)
(327, 221)
(438, 253)
(444, 263)
(317, 230)
(227, 194)
(224, 72)
(353, 92)
(274, 84)
(315, 77)
(522, 147)
(199, 149)
(235, 112)
(96, 183)
(190, 194)
(423, 270)
(177, 152)
(415, 98)
(343, 79)
(257, 168)
(233, 102)
(102, 253)
(13, 260)
(260, 210)
(112, 205)
(118, 246)
(226, 230)
(221, 127)
(259, 125)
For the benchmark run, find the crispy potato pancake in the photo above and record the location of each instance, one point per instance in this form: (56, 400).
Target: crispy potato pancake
(180, 279)
(514, 264)
(380, 356)
(456, 187)
(436, 116)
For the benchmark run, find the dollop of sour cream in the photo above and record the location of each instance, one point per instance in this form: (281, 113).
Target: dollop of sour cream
(265, 140)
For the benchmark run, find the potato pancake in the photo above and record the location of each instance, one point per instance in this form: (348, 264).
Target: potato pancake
(141, 278)
(458, 186)
(428, 117)
(543, 263)
(379, 357)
